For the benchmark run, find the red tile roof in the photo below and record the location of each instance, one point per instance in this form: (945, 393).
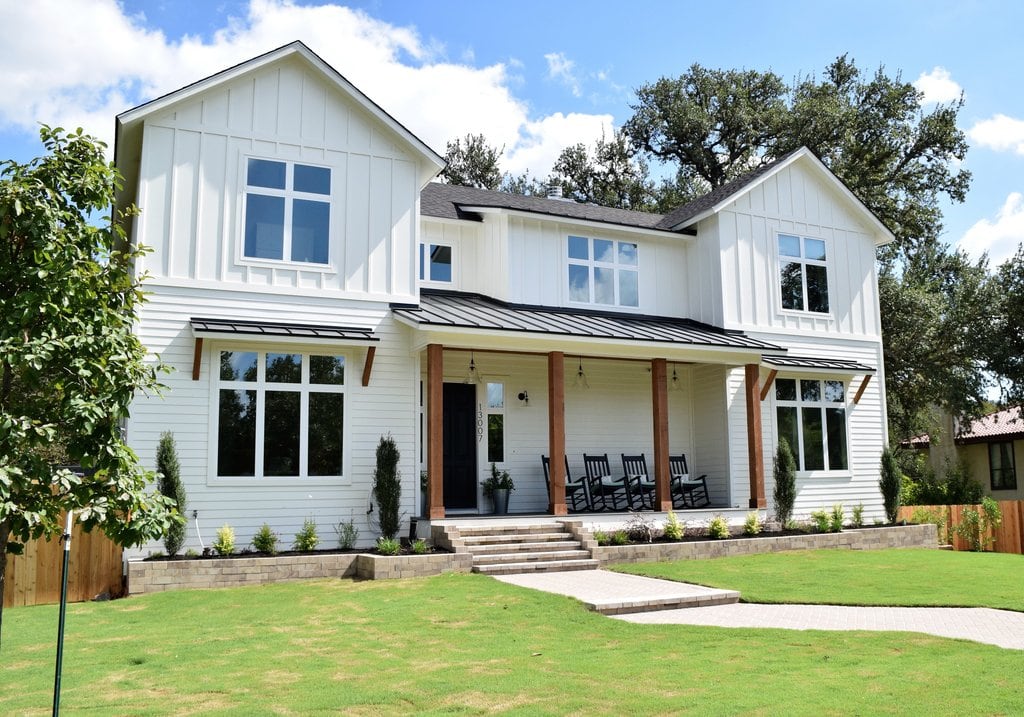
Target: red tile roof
(1008, 423)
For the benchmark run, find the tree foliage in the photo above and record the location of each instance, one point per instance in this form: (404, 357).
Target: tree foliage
(69, 362)
(1005, 349)
(472, 162)
(785, 482)
(612, 176)
(890, 483)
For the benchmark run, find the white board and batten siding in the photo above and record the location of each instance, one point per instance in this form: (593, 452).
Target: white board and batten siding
(192, 186)
(386, 405)
(739, 244)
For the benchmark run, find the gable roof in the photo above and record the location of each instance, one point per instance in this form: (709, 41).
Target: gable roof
(717, 199)
(128, 124)
(447, 201)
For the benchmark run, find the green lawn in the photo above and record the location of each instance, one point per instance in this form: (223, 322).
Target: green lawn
(859, 577)
(468, 644)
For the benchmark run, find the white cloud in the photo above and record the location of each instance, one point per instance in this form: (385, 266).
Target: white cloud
(1000, 133)
(998, 238)
(937, 86)
(79, 64)
(562, 69)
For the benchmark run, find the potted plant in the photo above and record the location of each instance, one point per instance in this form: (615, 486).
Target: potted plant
(497, 486)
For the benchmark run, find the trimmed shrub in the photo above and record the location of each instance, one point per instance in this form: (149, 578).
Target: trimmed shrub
(169, 484)
(419, 546)
(225, 542)
(857, 518)
(752, 525)
(890, 483)
(821, 521)
(718, 527)
(835, 522)
(265, 540)
(620, 537)
(602, 537)
(307, 538)
(785, 482)
(674, 530)
(387, 486)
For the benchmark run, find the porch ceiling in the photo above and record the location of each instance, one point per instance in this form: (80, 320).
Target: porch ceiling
(474, 316)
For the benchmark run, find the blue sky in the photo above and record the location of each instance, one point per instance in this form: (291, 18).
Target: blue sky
(532, 76)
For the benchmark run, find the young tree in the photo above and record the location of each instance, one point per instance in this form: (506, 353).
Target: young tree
(785, 482)
(387, 486)
(169, 484)
(1005, 345)
(472, 162)
(613, 176)
(69, 362)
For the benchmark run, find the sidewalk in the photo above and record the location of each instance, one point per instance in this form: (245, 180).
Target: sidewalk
(648, 600)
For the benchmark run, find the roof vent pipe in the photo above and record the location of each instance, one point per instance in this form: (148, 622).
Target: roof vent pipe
(554, 191)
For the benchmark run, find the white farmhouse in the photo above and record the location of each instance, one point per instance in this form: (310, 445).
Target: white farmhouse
(313, 290)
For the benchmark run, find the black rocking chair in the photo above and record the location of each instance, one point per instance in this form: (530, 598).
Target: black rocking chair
(577, 492)
(641, 484)
(687, 491)
(603, 486)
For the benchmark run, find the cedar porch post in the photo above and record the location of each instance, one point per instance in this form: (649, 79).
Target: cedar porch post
(659, 396)
(435, 429)
(556, 432)
(755, 454)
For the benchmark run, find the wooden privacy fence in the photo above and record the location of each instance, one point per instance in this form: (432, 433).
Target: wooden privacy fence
(94, 567)
(1009, 536)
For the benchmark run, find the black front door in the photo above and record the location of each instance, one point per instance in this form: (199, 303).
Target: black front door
(459, 446)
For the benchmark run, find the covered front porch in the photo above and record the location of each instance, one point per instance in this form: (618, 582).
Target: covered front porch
(573, 383)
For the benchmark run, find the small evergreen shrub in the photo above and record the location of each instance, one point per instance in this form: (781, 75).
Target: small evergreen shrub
(265, 540)
(890, 483)
(601, 537)
(674, 530)
(785, 482)
(388, 546)
(387, 486)
(620, 537)
(307, 538)
(419, 546)
(348, 534)
(752, 525)
(857, 516)
(225, 542)
(169, 484)
(821, 520)
(718, 527)
(976, 527)
(836, 518)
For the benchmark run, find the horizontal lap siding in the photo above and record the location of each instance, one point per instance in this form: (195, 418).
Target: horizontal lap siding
(385, 406)
(866, 431)
(710, 454)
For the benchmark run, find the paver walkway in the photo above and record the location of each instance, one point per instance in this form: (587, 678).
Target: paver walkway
(622, 596)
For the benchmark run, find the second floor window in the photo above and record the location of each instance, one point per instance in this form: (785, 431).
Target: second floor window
(287, 211)
(435, 262)
(803, 273)
(603, 271)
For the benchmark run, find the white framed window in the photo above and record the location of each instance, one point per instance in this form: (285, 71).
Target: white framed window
(436, 263)
(603, 271)
(287, 215)
(279, 414)
(495, 413)
(803, 273)
(811, 417)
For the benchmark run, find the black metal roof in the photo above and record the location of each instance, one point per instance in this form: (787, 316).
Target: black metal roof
(272, 329)
(446, 201)
(818, 363)
(464, 310)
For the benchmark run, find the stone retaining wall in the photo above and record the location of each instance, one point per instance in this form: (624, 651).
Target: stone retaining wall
(904, 536)
(149, 576)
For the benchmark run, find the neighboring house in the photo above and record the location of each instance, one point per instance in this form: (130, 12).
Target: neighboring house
(312, 290)
(991, 447)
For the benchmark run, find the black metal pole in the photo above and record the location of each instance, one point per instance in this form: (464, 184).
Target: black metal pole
(63, 609)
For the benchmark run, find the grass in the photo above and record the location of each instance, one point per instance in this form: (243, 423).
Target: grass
(858, 577)
(466, 644)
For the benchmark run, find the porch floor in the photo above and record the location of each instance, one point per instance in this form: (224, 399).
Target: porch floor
(591, 521)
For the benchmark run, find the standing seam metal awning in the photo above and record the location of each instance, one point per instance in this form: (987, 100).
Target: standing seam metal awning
(464, 310)
(821, 364)
(230, 327)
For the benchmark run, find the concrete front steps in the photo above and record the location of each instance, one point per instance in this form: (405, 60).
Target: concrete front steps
(510, 549)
